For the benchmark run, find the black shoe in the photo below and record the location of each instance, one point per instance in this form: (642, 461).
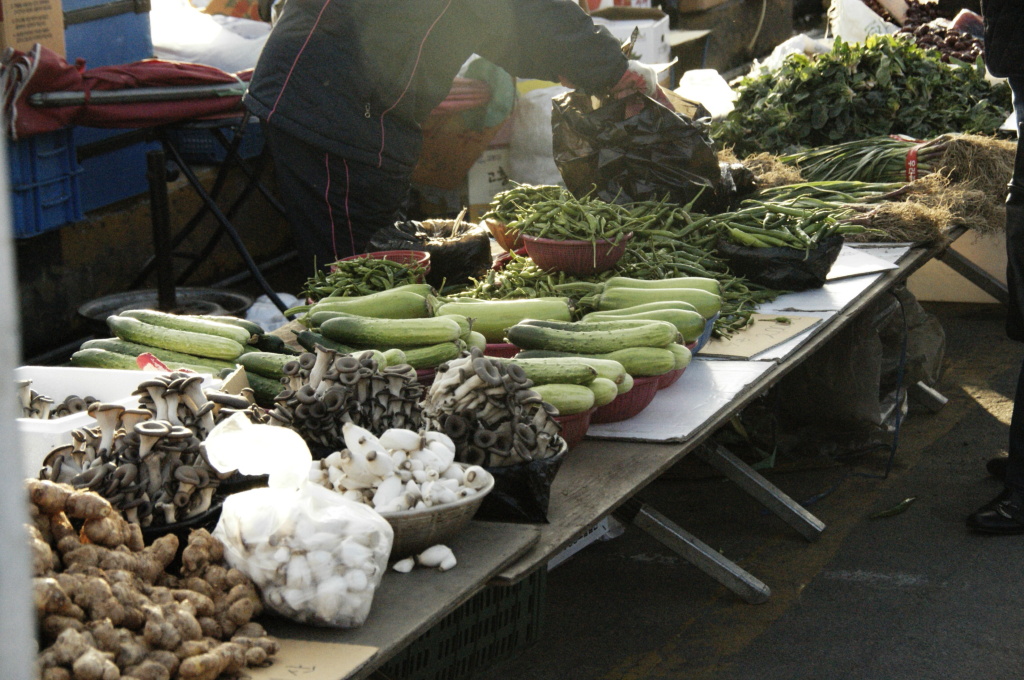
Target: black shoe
(1003, 515)
(997, 466)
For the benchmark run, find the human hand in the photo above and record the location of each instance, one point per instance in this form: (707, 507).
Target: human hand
(643, 76)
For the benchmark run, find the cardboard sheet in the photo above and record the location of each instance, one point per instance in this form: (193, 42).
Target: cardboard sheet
(313, 661)
(706, 388)
(764, 332)
(853, 261)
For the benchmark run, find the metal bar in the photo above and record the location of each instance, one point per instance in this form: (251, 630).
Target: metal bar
(695, 551)
(156, 173)
(138, 95)
(763, 491)
(975, 274)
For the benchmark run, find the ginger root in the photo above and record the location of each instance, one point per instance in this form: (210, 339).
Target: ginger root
(227, 658)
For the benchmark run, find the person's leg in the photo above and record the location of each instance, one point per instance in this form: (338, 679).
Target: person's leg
(334, 205)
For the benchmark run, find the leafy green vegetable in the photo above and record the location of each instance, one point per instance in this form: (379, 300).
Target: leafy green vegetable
(886, 85)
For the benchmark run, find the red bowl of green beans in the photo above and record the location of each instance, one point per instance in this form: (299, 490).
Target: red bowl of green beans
(579, 258)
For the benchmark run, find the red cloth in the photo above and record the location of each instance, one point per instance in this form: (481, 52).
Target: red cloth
(23, 74)
(632, 82)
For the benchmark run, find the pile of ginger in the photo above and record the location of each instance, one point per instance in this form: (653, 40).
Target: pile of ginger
(108, 609)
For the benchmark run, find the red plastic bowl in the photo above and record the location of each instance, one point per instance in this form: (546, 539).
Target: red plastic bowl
(504, 350)
(630, 403)
(574, 427)
(426, 376)
(409, 258)
(666, 379)
(579, 258)
(502, 237)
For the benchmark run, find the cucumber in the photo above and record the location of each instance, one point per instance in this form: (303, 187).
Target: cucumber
(707, 304)
(568, 399)
(189, 342)
(475, 339)
(264, 389)
(647, 307)
(394, 356)
(134, 349)
(101, 358)
(273, 343)
(701, 282)
(648, 334)
(601, 325)
(689, 324)
(626, 385)
(491, 317)
(637, 361)
(193, 324)
(387, 333)
(309, 340)
(432, 356)
(554, 370)
(388, 304)
(464, 325)
(421, 289)
(606, 368)
(682, 354)
(267, 364)
(377, 355)
(251, 326)
(604, 391)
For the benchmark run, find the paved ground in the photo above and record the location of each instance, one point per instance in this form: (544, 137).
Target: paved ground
(913, 596)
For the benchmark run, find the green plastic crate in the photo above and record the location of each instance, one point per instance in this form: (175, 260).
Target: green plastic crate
(489, 627)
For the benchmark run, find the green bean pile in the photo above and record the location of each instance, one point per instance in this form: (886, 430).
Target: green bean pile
(573, 219)
(511, 204)
(834, 192)
(765, 225)
(361, 276)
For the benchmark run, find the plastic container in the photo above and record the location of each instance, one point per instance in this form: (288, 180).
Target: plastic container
(502, 237)
(113, 176)
(200, 145)
(122, 38)
(44, 182)
(574, 427)
(666, 379)
(628, 404)
(579, 258)
(504, 350)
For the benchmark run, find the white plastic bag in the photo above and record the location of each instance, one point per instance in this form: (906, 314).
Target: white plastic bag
(316, 557)
(707, 86)
(530, 157)
(797, 44)
(853, 21)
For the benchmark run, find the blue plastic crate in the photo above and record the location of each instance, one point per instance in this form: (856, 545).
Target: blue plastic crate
(119, 39)
(199, 145)
(44, 182)
(114, 176)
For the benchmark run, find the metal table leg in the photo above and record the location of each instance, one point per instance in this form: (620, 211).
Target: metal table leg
(695, 551)
(763, 491)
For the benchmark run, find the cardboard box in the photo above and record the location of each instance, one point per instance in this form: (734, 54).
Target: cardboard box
(486, 178)
(23, 23)
(652, 45)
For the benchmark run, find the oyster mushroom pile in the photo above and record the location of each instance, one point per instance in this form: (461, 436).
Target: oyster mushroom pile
(149, 462)
(325, 389)
(35, 405)
(487, 408)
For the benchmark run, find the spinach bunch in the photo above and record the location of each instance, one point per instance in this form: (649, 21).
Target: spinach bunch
(886, 85)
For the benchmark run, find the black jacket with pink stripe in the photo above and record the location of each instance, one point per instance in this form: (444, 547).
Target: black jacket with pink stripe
(359, 77)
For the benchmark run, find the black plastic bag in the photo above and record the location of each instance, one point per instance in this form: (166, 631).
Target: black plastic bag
(647, 156)
(782, 268)
(458, 250)
(521, 492)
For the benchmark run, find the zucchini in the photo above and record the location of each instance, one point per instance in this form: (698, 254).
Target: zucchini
(251, 326)
(568, 399)
(189, 342)
(604, 391)
(432, 356)
(637, 361)
(134, 349)
(101, 358)
(376, 354)
(603, 325)
(387, 304)
(648, 334)
(491, 317)
(707, 304)
(475, 339)
(394, 356)
(273, 343)
(192, 324)
(626, 385)
(689, 324)
(387, 333)
(267, 364)
(606, 368)
(682, 354)
(421, 289)
(554, 370)
(647, 307)
(309, 340)
(701, 282)
(464, 326)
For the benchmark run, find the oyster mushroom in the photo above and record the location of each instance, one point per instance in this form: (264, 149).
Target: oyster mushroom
(24, 388)
(155, 389)
(150, 432)
(41, 405)
(188, 477)
(132, 417)
(203, 499)
(107, 417)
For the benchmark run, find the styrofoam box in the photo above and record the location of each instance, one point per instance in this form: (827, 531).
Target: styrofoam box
(39, 437)
(652, 44)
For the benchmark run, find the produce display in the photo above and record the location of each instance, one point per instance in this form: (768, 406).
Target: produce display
(361, 276)
(763, 225)
(35, 405)
(108, 608)
(875, 159)
(886, 85)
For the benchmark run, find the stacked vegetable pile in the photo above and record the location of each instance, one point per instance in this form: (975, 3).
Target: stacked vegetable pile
(887, 85)
(108, 608)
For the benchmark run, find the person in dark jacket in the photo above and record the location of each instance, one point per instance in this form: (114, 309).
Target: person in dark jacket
(1004, 57)
(343, 87)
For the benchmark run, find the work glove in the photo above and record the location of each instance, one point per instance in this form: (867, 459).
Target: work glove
(638, 77)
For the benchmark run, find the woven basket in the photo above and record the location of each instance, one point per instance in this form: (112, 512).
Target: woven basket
(417, 530)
